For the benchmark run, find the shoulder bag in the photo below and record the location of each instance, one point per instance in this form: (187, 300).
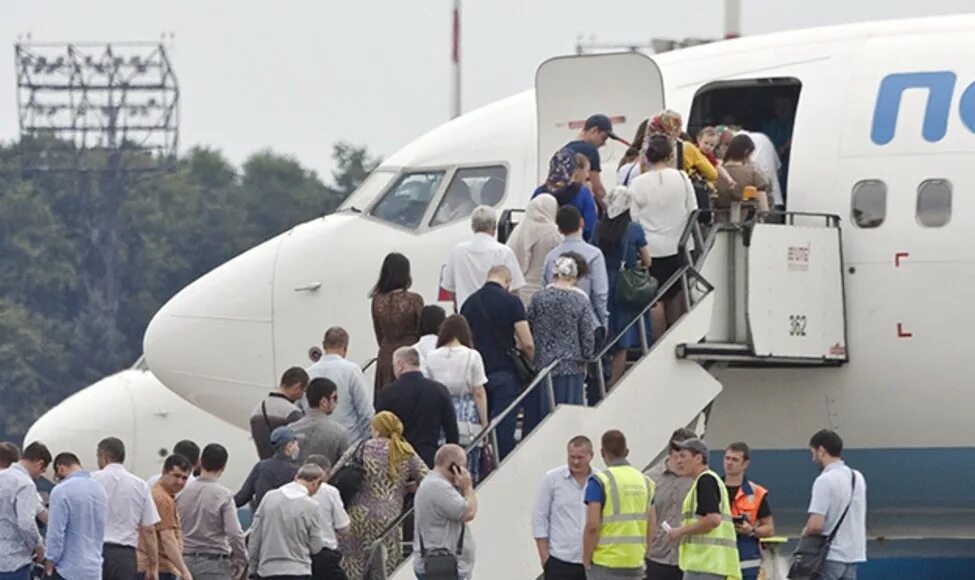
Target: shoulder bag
(350, 475)
(441, 563)
(524, 370)
(468, 428)
(701, 190)
(811, 552)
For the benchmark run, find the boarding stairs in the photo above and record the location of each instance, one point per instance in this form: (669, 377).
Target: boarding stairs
(739, 278)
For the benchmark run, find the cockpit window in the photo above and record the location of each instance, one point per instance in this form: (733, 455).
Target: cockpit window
(406, 202)
(367, 191)
(468, 189)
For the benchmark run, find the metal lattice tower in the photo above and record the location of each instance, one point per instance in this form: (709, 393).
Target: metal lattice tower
(97, 106)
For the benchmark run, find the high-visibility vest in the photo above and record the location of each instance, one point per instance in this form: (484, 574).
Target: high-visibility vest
(715, 552)
(622, 539)
(746, 502)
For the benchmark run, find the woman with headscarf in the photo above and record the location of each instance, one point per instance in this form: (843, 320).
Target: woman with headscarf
(567, 175)
(533, 239)
(624, 244)
(392, 469)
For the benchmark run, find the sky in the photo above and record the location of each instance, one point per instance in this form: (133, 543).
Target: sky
(298, 76)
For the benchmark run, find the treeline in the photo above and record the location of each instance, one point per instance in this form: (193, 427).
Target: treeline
(83, 268)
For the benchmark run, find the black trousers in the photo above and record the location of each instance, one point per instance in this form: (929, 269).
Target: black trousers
(556, 569)
(325, 566)
(657, 571)
(118, 562)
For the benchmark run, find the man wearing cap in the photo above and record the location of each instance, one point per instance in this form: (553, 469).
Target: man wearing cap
(597, 130)
(708, 548)
(668, 499)
(273, 472)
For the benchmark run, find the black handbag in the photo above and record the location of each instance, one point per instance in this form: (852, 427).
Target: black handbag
(441, 563)
(635, 288)
(811, 552)
(702, 193)
(349, 476)
(524, 369)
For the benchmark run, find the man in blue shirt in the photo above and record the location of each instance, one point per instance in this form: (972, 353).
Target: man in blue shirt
(76, 526)
(596, 284)
(20, 540)
(597, 130)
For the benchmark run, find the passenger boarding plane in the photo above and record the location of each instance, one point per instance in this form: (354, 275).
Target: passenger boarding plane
(858, 324)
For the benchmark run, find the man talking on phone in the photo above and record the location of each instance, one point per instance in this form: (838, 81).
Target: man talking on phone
(444, 503)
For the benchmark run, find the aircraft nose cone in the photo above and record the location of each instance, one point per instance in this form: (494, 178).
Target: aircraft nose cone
(212, 343)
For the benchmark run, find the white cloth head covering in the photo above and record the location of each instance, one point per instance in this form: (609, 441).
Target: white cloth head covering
(566, 267)
(618, 200)
(539, 223)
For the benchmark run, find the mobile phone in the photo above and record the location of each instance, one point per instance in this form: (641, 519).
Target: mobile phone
(455, 468)
(665, 526)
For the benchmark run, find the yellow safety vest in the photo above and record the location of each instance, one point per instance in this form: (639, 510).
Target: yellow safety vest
(623, 532)
(715, 552)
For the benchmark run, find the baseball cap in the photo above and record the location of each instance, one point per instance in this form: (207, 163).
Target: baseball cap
(602, 122)
(694, 444)
(281, 436)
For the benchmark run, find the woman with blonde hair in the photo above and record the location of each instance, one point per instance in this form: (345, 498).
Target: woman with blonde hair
(533, 239)
(391, 470)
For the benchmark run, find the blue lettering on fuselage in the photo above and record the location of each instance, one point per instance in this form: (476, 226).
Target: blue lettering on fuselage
(940, 86)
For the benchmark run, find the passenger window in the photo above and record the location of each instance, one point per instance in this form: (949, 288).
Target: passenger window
(468, 189)
(934, 203)
(869, 203)
(407, 201)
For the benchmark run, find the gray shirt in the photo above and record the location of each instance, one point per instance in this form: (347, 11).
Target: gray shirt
(286, 532)
(668, 499)
(209, 517)
(439, 519)
(354, 411)
(274, 411)
(830, 496)
(319, 434)
(19, 535)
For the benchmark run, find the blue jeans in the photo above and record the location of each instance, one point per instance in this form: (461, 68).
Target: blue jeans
(568, 389)
(19, 574)
(503, 388)
(837, 571)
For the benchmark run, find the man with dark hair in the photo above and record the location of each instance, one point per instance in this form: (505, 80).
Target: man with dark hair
(213, 541)
(287, 529)
(597, 129)
(596, 284)
(318, 432)
(560, 515)
(20, 540)
(619, 515)
(161, 548)
(423, 405)
(708, 549)
(749, 509)
(671, 489)
(76, 525)
(837, 490)
(354, 410)
(130, 511)
(278, 409)
(187, 449)
(273, 472)
(9, 454)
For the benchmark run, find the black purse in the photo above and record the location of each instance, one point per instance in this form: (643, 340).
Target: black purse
(441, 563)
(811, 552)
(524, 369)
(702, 193)
(349, 476)
(635, 287)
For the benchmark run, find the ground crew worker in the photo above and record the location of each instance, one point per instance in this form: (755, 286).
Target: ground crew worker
(708, 550)
(619, 515)
(750, 511)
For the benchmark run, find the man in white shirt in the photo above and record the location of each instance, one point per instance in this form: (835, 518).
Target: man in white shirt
(469, 262)
(837, 487)
(354, 411)
(560, 514)
(335, 520)
(130, 507)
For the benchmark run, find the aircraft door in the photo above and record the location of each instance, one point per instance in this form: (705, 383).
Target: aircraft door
(625, 86)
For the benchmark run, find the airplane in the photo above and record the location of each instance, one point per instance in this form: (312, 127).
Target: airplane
(881, 133)
(149, 418)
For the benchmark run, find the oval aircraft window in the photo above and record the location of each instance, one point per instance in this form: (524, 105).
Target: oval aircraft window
(470, 188)
(869, 203)
(934, 203)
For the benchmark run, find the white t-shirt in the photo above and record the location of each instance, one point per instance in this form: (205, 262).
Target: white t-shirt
(662, 201)
(426, 345)
(334, 516)
(469, 262)
(627, 173)
(830, 496)
(458, 368)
